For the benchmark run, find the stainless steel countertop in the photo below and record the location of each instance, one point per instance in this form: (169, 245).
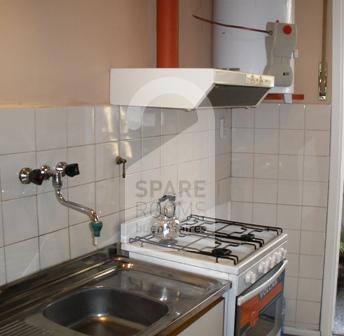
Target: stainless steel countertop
(185, 294)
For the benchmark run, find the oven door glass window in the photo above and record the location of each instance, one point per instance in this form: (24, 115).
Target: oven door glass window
(262, 314)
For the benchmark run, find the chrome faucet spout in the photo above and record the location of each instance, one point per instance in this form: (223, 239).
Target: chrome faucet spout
(76, 206)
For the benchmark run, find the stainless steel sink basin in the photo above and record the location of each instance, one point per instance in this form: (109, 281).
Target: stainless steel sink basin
(105, 312)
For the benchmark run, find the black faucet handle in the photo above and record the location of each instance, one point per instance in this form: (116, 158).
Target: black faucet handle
(72, 169)
(36, 176)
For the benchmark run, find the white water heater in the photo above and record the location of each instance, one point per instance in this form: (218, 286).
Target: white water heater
(250, 51)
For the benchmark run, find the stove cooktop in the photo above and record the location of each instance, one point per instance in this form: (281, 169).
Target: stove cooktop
(215, 240)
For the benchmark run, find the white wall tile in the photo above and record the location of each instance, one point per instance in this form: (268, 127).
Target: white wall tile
(85, 157)
(131, 150)
(222, 144)
(201, 146)
(52, 215)
(290, 167)
(264, 214)
(169, 150)
(169, 121)
(311, 266)
(291, 142)
(222, 167)
(1, 229)
(110, 232)
(293, 265)
(290, 192)
(242, 140)
(130, 122)
(2, 267)
(291, 288)
(308, 312)
(85, 195)
(242, 165)
(316, 168)
(265, 166)
(266, 141)
(265, 191)
(51, 128)
(266, 116)
(106, 123)
(20, 219)
(129, 192)
(317, 143)
(17, 131)
(289, 217)
(314, 218)
(185, 146)
(293, 244)
(315, 193)
(242, 189)
(10, 165)
(292, 116)
(151, 156)
(196, 120)
(106, 166)
(22, 259)
(310, 290)
(80, 240)
(243, 118)
(290, 313)
(80, 125)
(151, 122)
(318, 117)
(107, 196)
(313, 243)
(241, 211)
(54, 248)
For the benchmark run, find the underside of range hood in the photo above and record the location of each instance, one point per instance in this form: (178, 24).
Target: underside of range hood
(187, 88)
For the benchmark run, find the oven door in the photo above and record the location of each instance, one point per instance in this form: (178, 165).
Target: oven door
(259, 308)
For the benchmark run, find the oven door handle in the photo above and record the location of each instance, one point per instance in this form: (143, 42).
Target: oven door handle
(253, 293)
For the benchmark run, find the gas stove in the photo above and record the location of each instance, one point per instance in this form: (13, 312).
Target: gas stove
(221, 245)
(252, 257)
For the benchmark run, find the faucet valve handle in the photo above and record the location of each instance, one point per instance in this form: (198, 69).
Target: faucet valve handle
(72, 169)
(36, 176)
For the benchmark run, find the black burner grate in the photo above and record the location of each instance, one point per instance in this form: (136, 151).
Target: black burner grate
(198, 228)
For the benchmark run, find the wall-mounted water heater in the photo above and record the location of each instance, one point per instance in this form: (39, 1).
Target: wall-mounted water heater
(252, 51)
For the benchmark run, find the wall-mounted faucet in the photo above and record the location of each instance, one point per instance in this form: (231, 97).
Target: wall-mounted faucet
(37, 176)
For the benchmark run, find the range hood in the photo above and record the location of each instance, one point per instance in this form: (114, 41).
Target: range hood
(184, 88)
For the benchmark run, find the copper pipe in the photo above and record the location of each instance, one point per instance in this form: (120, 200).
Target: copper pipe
(167, 27)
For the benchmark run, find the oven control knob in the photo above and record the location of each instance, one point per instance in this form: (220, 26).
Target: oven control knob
(284, 252)
(266, 266)
(261, 268)
(278, 256)
(250, 277)
(271, 262)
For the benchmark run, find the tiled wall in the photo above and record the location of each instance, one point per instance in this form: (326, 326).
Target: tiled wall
(161, 146)
(280, 172)
(267, 165)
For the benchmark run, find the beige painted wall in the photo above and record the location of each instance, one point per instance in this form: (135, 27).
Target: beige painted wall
(60, 51)
(195, 36)
(309, 21)
(57, 52)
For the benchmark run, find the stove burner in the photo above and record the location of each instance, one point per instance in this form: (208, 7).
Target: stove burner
(195, 229)
(221, 252)
(248, 237)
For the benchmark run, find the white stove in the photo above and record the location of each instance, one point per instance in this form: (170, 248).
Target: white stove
(252, 257)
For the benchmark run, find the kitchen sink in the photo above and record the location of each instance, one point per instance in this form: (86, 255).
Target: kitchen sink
(105, 311)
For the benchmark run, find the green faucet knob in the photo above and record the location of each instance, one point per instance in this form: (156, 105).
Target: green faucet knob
(96, 228)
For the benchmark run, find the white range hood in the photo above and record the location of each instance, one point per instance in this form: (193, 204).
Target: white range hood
(188, 89)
